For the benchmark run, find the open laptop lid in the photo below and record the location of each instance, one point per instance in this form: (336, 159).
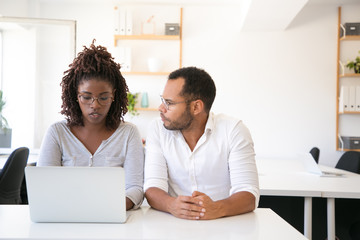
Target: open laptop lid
(312, 167)
(76, 194)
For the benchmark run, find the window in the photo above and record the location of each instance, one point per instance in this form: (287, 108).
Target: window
(35, 53)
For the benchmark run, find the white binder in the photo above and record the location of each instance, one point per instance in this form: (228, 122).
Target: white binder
(352, 100)
(129, 23)
(127, 66)
(122, 21)
(116, 20)
(357, 105)
(120, 57)
(344, 99)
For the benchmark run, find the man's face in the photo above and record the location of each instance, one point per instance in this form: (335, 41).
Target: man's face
(175, 110)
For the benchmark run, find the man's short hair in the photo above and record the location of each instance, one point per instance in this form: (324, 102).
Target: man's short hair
(198, 85)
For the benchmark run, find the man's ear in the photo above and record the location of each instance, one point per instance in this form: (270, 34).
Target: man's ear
(197, 106)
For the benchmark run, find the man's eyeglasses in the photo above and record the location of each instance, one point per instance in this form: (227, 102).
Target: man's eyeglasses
(168, 103)
(103, 100)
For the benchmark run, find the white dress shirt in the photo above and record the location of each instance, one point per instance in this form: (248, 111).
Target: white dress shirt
(222, 162)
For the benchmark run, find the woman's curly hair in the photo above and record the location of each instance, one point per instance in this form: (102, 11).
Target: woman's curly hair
(97, 63)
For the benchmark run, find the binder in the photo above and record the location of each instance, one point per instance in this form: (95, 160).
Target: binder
(122, 21)
(352, 91)
(344, 99)
(357, 96)
(121, 57)
(127, 65)
(116, 20)
(129, 23)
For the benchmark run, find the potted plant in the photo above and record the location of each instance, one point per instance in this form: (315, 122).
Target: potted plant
(5, 131)
(354, 64)
(132, 100)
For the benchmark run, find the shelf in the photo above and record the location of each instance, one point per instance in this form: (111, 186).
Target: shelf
(147, 109)
(346, 149)
(349, 112)
(350, 38)
(145, 73)
(343, 117)
(145, 37)
(350, 75)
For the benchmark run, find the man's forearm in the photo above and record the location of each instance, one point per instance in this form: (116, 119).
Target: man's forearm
(238, 203)
(158, 199)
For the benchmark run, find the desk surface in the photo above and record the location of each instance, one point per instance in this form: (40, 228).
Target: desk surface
(289, 178)
(146, 223)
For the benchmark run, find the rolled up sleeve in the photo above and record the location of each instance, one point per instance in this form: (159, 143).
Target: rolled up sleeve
(242, 165)
(156, 174)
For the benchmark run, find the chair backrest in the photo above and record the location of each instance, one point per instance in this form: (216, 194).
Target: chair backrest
(12, 176)
(315, 152)
(349, 161)
(354, 231)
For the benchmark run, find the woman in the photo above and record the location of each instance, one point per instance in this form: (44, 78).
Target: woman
(94, 95)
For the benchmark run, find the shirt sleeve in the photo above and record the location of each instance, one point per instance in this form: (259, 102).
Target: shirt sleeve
(156, 174)
(242, 165)
(134, 169)
(50, 151)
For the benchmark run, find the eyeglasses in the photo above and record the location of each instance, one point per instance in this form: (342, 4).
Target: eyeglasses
(167, 103)
(103, 100)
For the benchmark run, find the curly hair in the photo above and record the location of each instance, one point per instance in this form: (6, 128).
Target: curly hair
(94, 62)
(198, 85)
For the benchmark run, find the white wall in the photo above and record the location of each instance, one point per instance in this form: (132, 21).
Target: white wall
(282, 84)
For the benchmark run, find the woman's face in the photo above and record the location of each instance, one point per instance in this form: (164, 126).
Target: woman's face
(95, 98)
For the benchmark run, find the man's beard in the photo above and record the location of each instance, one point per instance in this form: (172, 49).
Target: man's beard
(182, 123)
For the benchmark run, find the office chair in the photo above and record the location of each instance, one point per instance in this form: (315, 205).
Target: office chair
(349, 161)
(12, 176)
(315, 152)
(355, 231)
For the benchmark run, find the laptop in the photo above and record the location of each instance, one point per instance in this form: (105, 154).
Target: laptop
(312, 167)
(76, 194)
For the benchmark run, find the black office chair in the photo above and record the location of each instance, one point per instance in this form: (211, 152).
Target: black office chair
(349, 161)
(315, 152)
(355, 231)
(12, 176)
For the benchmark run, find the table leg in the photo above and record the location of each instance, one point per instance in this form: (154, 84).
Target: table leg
(331, 218)
(308, 217)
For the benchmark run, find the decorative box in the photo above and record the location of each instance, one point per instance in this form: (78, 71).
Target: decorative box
(172, 29)
(351, 29)
(350, 142)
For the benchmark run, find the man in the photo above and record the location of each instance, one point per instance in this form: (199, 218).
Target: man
(198, 165)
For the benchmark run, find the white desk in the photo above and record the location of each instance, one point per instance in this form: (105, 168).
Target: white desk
(289, 178)
(341, 187)
(147, 223)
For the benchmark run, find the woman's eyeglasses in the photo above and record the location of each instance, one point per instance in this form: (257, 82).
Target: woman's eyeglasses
(103, 100)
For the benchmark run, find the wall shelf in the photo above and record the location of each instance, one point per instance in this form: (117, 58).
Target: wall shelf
(350, 38)
(147, 109)
(350, 75)
(145, 37)
(346, 125)
(145, 73)
(349, 112)
(340, 149)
